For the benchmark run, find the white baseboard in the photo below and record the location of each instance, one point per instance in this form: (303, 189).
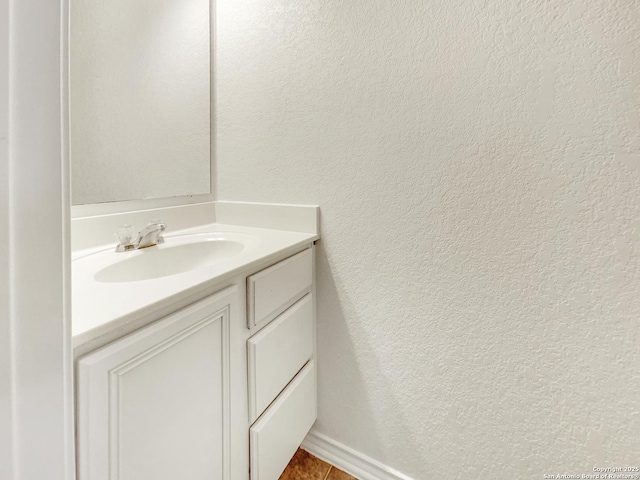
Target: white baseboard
(348, 460)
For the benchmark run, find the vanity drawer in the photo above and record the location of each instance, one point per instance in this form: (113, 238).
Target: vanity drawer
(274, 289)
(277, 353)
(276, 436)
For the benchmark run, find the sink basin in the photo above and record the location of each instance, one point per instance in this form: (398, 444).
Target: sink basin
(177, 255)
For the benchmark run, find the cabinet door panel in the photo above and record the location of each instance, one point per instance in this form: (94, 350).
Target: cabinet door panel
(153, 405)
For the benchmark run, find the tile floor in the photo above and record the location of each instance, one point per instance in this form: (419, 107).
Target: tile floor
(304, 466)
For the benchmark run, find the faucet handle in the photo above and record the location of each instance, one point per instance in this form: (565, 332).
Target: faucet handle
(125, 238)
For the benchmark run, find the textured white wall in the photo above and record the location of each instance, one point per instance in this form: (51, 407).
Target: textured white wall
(140, 116)
(477, 164)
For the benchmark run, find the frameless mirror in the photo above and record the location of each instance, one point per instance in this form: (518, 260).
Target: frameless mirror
(139, 110)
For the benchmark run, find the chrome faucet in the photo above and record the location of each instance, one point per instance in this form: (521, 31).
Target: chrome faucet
(149, 236)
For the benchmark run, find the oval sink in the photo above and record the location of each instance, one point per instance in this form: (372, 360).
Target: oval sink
(177, 255)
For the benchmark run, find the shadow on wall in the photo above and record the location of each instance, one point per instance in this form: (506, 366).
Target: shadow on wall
(366, 403)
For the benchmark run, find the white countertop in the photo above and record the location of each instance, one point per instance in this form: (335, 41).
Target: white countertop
(100, 307)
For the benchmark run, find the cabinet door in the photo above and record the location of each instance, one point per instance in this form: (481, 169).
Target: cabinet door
(154, 405)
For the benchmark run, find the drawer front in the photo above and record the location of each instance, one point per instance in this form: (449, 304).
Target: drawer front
(271, 291)
(277, 353)
(275, 437)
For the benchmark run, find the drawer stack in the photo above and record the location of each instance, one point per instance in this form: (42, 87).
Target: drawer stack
(281, 368)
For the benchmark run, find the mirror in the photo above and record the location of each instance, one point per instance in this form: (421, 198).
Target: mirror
(139, 99)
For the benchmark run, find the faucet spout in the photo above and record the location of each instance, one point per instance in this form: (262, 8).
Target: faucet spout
(151, 235)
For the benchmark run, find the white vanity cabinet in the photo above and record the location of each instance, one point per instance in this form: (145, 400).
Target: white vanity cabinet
(154, 405)
(223, 389)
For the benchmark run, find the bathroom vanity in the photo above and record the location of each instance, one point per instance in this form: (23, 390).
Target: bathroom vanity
(208, 373)
(194, 347)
